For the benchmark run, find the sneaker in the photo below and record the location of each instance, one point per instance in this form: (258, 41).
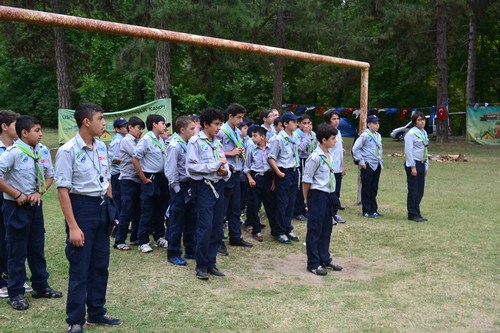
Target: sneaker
(215, 272)
(178, 261)
(340, 219)
(18, 303)
(377, 214)
(145, 248)
(300, 217)
(368, 215)
(282, 239)
(189, 256)
(122, 247)
(333, 221)
(292, 236)
(333, 266)
(162, 242)
(104, 320)
(27, 288)
(76, 328)
(258, 237)
(4, 292)
(318, 271)
(201, 274)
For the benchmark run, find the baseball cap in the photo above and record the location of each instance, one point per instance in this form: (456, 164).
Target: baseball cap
(119, 122)
(287, 116)
(372, 119)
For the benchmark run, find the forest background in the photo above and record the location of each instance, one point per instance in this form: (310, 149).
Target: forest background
(421, 52)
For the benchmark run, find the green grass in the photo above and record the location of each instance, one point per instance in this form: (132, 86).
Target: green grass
(439, 276)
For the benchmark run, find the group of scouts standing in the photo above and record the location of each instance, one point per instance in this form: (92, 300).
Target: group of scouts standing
(200, 177)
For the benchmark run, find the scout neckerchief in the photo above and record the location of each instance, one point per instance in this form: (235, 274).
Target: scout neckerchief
(378, 144)
(177, 138)
(425, 139)
(332, 171)
(312, 146)
(40, 177)
(157, 143)
(214, 149)
(295, 150)
(234, 137)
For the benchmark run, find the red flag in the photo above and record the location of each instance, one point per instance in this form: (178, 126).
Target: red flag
(441, 114)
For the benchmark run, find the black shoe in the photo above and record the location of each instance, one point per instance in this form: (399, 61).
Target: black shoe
(282, 239)
(104, 320)
(370, 216)
(318, 271)
(18, 302)
(341, 208)
(423, 218)
(300, 217)
(201, 274)
(239, 242)
(222, 249)
(417, 218)
(377, 214)
(75, 328)
(214, 271)
(46, 293)
(333, 266)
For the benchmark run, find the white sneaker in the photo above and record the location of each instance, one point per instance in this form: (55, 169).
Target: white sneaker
(162, 242)
(4, 293)
(27, 288)
(145, 248)
(339, 219)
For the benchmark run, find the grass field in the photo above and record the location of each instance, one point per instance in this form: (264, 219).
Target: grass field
(399, 276)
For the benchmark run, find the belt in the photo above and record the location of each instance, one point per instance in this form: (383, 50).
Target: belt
(262, 174)
(87, 198)
(288, 169)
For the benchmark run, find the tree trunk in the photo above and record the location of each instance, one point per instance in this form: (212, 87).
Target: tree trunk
(62, 73)
(442, 68)
(279, 62)
(162, 73)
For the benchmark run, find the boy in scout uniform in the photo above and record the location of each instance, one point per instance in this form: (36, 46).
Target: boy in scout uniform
(83, 187)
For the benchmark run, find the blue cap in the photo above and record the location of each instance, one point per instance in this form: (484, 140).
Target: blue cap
(372, 119)
(119, 122)
(246, 122)
(287, 116)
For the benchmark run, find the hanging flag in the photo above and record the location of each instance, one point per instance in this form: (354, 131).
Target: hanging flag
(441, 113)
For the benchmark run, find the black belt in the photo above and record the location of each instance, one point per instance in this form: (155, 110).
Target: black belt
(288, 169)
(262, 174)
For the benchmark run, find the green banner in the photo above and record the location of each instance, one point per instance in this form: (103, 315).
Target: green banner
(483, 124)
(67, 125)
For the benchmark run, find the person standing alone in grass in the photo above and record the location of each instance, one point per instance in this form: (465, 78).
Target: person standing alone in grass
(416, 165)
(26, 173)
(318, 184)
(82, 179)
(368, 151)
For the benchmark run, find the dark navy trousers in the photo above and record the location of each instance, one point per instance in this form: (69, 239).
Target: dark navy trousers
(209, 219)
(3, 246)
(322, 207)
(88, 265)
(117, 192)
(286, 194)
(416, 185)
(25, 238)
(130, 211)
(232, 205)
(369, 189)
(300, 208)
(338, 184)
(154, 203)
(261, 193)
(182, 222)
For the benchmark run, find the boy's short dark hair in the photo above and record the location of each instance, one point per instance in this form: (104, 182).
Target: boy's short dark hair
(86, 111)
(208, 115)
(153, 118)
(277, 121)
(264, 114)
(327, 116)
(134, 121)
(182, 122)
(260, 131)
(235, 109)
(416, 115)
(304, 117)
(7, 117)
(325, 131)
(25, 123)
